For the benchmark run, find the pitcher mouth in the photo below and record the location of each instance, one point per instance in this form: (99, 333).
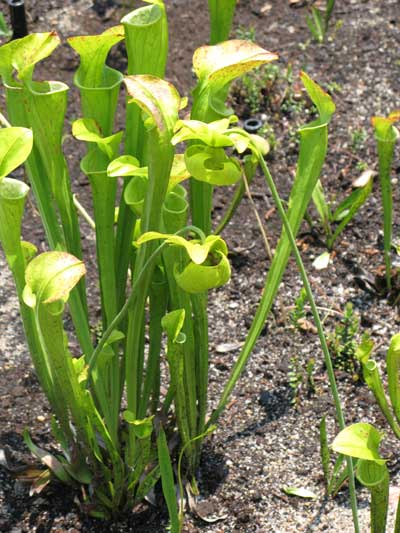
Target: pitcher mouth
(144, 16)
(12, 189)
(113, 79)
(38, 87)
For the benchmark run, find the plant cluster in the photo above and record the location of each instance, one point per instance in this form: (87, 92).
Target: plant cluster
(318, 21)
(298, 314)
(118, 434)
(300, 374)
(362, 440)
(301, 378)
(358, 138)
(256, 88)
(334, 220)
(5, 31)
(343, 342)
(158, 256)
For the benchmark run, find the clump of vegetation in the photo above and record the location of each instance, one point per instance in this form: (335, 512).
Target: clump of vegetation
(300, 373)
(343, 343)
(269, 88)
(5, 31)
(295, 376)
(318, 21)
(256, 88)
(334, 219)
(358, 138)
(361, 166)
(361, 441)
(267, 131)
(301, 378)
(298, 314)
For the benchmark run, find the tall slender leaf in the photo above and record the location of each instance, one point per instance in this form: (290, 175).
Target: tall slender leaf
(167, 480)
(221, 17)
(313, 146)
(386, 135)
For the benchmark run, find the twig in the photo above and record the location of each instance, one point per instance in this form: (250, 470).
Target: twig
(259, 222)
(4, 122)
(330, 311)
(82, 211)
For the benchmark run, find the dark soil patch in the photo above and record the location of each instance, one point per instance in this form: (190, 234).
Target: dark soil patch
(263, 443)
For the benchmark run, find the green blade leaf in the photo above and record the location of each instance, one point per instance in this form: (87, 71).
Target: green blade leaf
(222, 63)
(23, 54)
(93, 50)
(173, 322)
(126, 165)
(353, 202)
(212, 165)
(47, 459)
(330, 4)
(221, 17)
(167, 481)
(86, 129)
(157, 98)
(4, 29)
(51, 276)
(313, 146)
(319, 97)
(315, 24)
(141, 428)
(195, 278)
(393, 372)
(212, 133)
(348, 208)
(197, 251)
(359, 440)
(322, 205)
(324, 449)
(15, 147)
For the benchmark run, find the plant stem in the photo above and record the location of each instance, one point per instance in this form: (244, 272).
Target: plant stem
(397, 523)
(158, 300)
(199, 306)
